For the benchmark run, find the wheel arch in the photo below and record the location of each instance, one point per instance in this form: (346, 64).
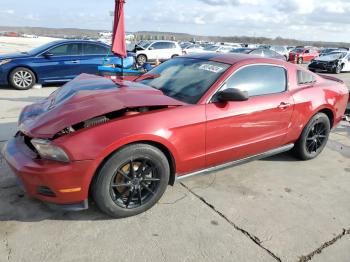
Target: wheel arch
(329, 113)
(143, 54)
(24, 66)
(163, 148)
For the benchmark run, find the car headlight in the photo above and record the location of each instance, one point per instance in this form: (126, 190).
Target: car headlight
(5, 61)
(49, 151)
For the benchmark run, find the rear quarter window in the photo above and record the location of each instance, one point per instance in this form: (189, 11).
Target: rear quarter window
(305, 78)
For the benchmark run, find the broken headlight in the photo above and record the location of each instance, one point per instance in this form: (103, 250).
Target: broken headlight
(47, 150)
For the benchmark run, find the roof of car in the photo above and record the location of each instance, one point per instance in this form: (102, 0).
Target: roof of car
(76, 41)
(231, 58)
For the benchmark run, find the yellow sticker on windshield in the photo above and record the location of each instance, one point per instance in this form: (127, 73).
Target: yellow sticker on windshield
(211, 68)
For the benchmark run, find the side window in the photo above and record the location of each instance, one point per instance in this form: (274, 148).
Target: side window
(259, 80)
(307, 51)
(158, 45)
(92, 49)
(66, 50)
(305, 77)
(168, 45)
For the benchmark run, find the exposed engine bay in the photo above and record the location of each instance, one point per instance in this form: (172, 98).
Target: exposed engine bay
(107, 117)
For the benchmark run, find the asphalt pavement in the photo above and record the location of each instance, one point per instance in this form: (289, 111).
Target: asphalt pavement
(276, 209)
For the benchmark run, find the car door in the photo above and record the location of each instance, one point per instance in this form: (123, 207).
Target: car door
(156, 51)
(60, 63)
(236, 130)
(169, 49)
(93, 56)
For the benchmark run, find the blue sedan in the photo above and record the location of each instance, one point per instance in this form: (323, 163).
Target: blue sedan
(55, 62)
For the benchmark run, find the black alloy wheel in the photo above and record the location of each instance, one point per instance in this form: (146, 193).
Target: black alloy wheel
(134, 183)
(131, 180)
(314, 137)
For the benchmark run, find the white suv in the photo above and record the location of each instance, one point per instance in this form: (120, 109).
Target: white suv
(151, 51)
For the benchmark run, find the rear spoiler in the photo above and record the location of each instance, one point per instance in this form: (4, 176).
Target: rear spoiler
(331, 78)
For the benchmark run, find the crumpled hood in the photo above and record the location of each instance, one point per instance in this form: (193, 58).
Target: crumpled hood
(327, 58)
(86, 97)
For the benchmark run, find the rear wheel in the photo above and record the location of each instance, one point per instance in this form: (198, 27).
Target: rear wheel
(22, 78)
(131, 181)
(313, 138)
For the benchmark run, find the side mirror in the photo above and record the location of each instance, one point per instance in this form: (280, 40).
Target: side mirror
(151, 48)
(232, 94)
(47, 54)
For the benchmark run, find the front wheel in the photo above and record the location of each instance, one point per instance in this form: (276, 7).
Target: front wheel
(313, 138)
(338, 69)
(131, 181)
(22, 78)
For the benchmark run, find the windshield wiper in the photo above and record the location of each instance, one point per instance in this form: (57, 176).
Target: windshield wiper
(146, 76)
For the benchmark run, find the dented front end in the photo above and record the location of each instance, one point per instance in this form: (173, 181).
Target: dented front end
(88, 101)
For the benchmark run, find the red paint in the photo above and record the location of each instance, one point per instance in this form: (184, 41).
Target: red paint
(307, 54)
(197, 136)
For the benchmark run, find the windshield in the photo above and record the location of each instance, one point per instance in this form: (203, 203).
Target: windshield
(298, 50)
(212, 48)
(186, 79)
(40, 49)
(336, 55)
(241, 50)
(144, 44)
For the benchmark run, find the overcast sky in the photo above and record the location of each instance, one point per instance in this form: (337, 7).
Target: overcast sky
(300, 19)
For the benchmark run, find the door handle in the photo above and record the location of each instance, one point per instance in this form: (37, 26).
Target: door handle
(284, 105)
(75, 62)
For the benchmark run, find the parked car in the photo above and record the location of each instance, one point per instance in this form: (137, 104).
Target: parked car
(151, 51)
(335, 62)
(194, 48)
(259, 52)
(122, 143)
(218, 49)
(282, 50)
(300, 55)
(183, 45)
(55, 62)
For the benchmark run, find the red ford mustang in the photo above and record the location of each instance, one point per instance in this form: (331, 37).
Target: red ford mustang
(121, 143)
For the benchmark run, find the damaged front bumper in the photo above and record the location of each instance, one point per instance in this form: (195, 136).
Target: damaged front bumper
(61, 185)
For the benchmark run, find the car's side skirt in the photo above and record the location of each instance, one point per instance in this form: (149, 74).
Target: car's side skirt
(239, 162)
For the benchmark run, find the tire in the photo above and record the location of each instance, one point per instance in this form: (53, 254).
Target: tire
(141, 60)
(300, 60)
(22, 78)
(117, 195)
(314, 137)
(173, 56)
(338, 69)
